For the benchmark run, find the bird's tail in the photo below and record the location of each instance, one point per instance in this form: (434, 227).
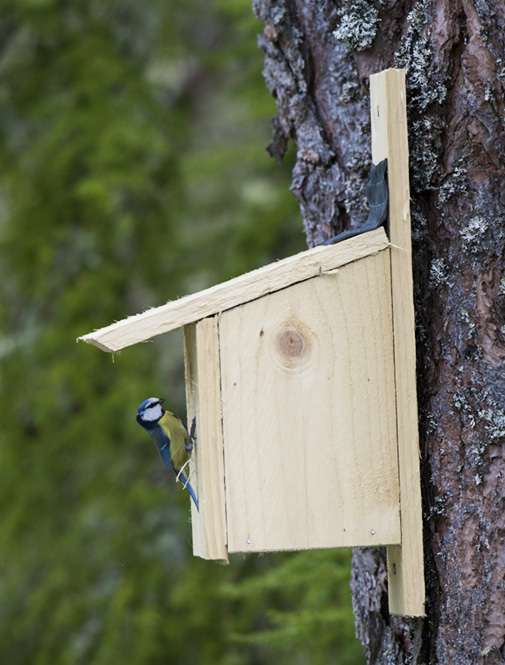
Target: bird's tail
(187, 485)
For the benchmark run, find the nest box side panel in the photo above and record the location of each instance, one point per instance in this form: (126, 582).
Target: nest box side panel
(309, 419)
(203, 395)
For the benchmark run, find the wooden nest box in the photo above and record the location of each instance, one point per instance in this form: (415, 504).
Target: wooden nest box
(301, 378)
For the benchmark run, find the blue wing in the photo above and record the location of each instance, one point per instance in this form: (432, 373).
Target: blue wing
(187, 485)
(165, 455)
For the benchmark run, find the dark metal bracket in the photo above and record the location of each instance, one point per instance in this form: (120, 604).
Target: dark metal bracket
(377, 195)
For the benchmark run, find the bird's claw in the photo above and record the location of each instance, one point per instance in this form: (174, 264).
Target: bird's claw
(192, 436)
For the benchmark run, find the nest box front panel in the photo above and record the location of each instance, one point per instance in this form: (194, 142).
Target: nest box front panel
(309, 416)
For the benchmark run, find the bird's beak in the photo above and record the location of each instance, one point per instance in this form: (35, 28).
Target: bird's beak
(160, 401)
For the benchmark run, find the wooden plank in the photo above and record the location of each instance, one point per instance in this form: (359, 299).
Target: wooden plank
(389, 139)
(275, 276)
(309, 414)
(203, 397)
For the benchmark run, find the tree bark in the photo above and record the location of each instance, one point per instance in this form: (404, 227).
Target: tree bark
(318, 57)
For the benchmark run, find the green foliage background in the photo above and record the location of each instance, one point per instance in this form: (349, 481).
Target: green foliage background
(132, 171)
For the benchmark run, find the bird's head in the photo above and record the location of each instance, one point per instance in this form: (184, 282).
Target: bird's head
(149, 413)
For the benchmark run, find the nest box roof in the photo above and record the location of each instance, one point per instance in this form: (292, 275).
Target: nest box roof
(238, 291)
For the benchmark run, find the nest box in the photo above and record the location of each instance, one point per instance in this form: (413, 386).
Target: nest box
(301, 379)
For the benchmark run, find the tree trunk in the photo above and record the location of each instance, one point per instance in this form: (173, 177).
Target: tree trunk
(318, 57)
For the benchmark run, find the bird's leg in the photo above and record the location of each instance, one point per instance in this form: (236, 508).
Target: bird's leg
(180, 471)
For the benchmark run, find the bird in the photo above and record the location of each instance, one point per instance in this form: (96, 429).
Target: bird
(170, 436)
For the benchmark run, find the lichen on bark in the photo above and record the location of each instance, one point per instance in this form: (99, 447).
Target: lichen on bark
(358, 24)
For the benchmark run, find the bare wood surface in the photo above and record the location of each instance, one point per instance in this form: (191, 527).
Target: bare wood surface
(309, 414)
(203, 395)
(389, 139)
(275, 276)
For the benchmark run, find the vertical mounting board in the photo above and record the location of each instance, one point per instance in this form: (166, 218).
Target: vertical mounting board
(390, 140)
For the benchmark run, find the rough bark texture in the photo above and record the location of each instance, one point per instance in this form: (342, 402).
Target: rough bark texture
(318, 57)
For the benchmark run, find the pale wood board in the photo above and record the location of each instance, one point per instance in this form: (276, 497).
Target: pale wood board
(390, 139)
(310, 424)
(197, 306)
(203, 395)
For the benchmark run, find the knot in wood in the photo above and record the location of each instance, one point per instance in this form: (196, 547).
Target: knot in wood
(291, 343)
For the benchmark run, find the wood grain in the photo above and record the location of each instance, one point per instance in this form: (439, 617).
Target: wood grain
(203, 398)
(309, 414)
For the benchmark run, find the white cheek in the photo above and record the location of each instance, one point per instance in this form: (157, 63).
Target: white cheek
(153, 413)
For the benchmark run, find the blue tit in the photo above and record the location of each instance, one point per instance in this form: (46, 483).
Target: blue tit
(170, 435)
